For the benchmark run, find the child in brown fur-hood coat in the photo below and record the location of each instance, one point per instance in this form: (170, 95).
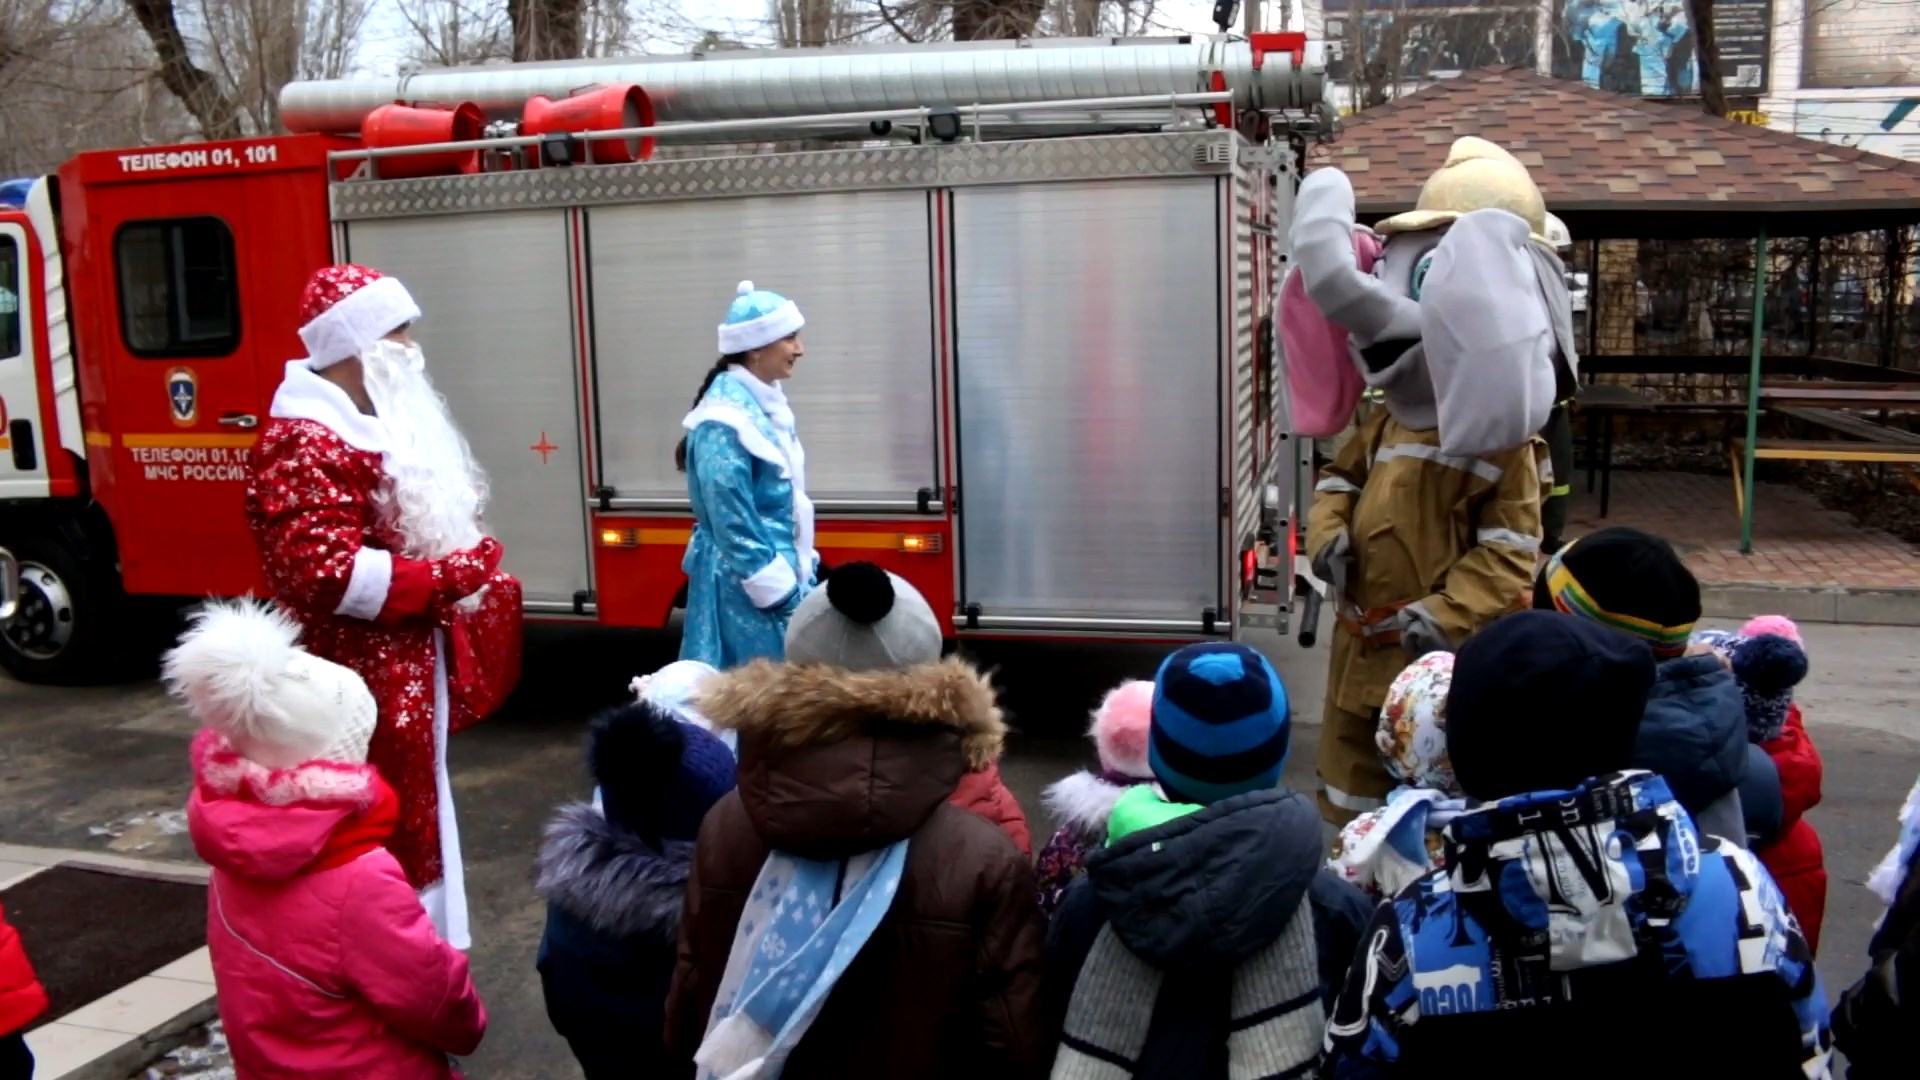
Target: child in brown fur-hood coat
(845, 750)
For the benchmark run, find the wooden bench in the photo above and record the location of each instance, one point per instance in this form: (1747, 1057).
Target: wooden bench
(1851, 425)
(1858, 451)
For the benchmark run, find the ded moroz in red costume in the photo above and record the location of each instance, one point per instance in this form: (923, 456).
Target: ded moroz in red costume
(369, 529)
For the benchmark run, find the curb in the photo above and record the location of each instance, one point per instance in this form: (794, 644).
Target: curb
(118, 1035)
(66, 1051)
(1832, 604)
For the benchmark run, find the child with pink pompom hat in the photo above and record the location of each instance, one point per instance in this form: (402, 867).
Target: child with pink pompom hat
(1768, 659)
(1083, 802)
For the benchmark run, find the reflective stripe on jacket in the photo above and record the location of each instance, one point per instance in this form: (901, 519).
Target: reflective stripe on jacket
(1457, 535)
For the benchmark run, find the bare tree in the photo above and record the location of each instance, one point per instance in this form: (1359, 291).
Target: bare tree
(1713, 90)
(226, 60)
(545, 29)
(77, 76)
(196, 87)
(456, 33)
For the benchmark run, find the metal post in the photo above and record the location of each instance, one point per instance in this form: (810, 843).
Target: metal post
(1753, 388)
(1593, 298)
(1816, 280)
(1890, 291)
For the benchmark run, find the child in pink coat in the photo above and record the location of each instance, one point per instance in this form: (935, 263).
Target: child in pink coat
(325, 964)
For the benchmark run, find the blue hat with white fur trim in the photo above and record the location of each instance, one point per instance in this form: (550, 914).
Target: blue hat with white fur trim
(756, 319)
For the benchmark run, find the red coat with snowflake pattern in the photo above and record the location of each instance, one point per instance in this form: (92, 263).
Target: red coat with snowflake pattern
(310, 506)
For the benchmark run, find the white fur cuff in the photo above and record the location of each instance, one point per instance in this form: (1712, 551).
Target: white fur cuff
(771, 583)
(761, 332)
(368, 587)
(370, 313)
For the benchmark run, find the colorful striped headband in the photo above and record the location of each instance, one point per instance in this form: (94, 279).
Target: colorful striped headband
(1569, 597)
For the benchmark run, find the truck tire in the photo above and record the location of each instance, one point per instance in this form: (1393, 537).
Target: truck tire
(65, 631)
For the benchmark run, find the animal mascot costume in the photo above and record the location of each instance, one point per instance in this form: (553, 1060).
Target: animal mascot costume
(1427, 523)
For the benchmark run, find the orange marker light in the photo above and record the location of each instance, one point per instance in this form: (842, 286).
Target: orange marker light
(922, 544)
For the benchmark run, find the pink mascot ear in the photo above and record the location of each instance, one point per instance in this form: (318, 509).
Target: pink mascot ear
(1323, 385)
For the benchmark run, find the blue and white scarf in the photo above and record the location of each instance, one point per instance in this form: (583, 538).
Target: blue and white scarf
(804, 923)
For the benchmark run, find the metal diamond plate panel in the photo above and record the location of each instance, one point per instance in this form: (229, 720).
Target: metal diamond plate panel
(1192, 153)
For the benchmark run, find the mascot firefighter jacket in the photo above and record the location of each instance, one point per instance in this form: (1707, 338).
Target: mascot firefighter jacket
(1455, 535)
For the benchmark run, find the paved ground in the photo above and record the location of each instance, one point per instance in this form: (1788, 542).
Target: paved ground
(1796, 541)
(106, 770)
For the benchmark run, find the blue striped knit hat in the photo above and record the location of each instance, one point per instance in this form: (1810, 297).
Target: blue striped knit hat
(1220, 724)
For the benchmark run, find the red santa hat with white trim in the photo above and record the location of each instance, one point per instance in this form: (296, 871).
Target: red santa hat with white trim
(347, 308)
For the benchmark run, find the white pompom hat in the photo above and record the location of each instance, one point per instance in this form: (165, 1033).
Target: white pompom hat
(241, 671)
(756, 319)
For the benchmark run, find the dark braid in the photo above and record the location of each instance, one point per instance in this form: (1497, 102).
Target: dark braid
(714, 372)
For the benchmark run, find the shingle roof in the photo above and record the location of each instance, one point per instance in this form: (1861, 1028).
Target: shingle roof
(1611, 160)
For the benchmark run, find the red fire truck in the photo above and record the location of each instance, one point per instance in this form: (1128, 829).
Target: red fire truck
(1038, 279)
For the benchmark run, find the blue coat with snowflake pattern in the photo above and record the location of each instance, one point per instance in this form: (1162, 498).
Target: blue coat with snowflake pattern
(745, 572)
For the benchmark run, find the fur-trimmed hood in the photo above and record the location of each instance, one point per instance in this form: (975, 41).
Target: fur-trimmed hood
(1083, 802)
(272, 824)
(609, 878)
(834, 762)
(793, 705)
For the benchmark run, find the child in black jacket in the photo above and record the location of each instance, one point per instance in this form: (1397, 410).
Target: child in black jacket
(615, 879)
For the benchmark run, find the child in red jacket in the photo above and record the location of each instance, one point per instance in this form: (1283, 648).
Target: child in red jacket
(1768, 660)
(21, 999)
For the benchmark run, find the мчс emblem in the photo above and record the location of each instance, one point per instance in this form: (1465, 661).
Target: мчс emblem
(183, 396)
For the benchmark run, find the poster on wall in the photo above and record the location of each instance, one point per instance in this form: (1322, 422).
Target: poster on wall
(1861, 43)
(1889, 126)
(1647, 47)
(1405, 43)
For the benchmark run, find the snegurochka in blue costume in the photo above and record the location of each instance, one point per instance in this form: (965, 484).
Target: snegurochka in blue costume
(751, 558)
(1581, 925)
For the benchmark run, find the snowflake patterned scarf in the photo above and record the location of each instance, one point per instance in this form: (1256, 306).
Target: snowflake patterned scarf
(804, 922)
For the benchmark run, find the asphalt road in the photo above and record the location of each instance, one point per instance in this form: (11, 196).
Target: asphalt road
(106, 769)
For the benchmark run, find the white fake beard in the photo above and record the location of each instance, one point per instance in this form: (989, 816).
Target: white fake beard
(435, 490)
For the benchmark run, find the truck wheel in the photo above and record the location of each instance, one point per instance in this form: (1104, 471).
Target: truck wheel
(63, 632)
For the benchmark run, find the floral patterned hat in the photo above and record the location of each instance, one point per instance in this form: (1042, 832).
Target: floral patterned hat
(1412, 736)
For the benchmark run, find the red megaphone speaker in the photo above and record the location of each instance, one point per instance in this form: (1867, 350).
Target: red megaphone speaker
(409, 125)
(610, 108)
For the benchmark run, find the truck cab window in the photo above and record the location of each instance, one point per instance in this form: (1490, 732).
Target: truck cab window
(179, 288)
(9, 298)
